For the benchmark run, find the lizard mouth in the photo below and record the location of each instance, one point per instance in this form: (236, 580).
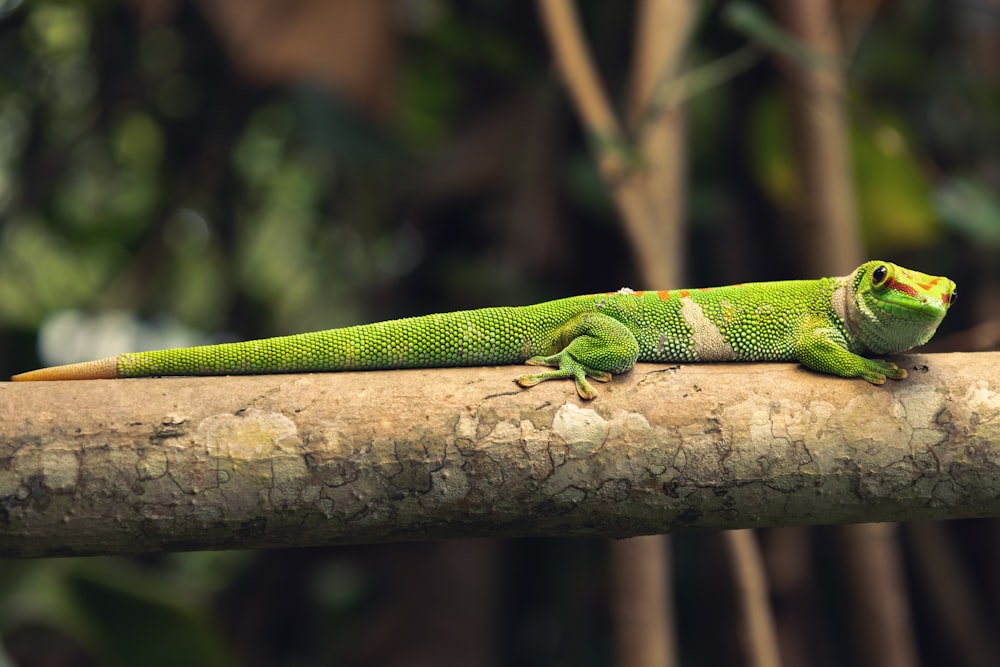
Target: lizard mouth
(915, 310)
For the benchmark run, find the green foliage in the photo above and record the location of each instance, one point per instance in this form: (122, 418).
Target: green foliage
(120, 613)
(893, 192)
(40, 272)
(970, 209)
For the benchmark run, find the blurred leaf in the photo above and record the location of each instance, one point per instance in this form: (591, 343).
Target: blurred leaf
(138, 140)
(431, 89)
(586, 187)
(34, 592)
(58, 31)
(5, 659)
(179, 96)
(260, 151)
(893, 193)
(8, 7)
(328, 123)
(466, 43)
(124, 615)
(47, 591)
(41, 272)
(210, 571)
(771, 150)
(161, 50)
(431, 77)
(970, 209)
(139, 618)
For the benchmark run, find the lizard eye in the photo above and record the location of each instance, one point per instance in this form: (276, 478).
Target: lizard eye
(879, 275)
(952, 297)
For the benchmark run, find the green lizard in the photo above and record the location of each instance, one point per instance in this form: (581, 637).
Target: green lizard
(825, 324)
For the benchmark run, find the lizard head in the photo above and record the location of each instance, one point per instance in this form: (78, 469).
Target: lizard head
(892, 309)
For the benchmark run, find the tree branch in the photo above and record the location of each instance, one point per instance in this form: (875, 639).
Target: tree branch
(295, 460)
(580, 75)
(646, 187)
(758, 639)
(831, 235)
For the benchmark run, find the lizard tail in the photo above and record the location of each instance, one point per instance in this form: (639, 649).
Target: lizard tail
(101, 369)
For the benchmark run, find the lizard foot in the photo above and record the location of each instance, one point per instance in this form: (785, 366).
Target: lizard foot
(567, 368)
(876, 371)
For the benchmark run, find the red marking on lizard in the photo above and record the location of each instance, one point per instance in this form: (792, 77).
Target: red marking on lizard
(902, 287)
(926, 286)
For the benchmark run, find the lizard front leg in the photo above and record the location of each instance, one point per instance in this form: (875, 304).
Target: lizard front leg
(823, 348)
(593, 344)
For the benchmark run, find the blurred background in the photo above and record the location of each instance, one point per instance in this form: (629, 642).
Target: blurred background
(175, 173)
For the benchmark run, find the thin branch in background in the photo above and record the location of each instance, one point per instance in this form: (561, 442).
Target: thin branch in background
(829, 234)
(753, 22)
(952, 594)
(755, 620)
(651, 221)
(662, 32)
(580, 76)
(672, 91)
(641, 602)
(787, 554)
(872, 560)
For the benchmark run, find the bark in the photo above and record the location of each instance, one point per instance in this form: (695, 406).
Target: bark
(296, 460)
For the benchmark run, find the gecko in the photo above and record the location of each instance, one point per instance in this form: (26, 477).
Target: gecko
(826, 324)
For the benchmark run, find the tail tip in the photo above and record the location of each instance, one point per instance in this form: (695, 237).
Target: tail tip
(101, 369)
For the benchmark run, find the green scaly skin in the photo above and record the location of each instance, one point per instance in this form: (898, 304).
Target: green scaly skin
(826, 324)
